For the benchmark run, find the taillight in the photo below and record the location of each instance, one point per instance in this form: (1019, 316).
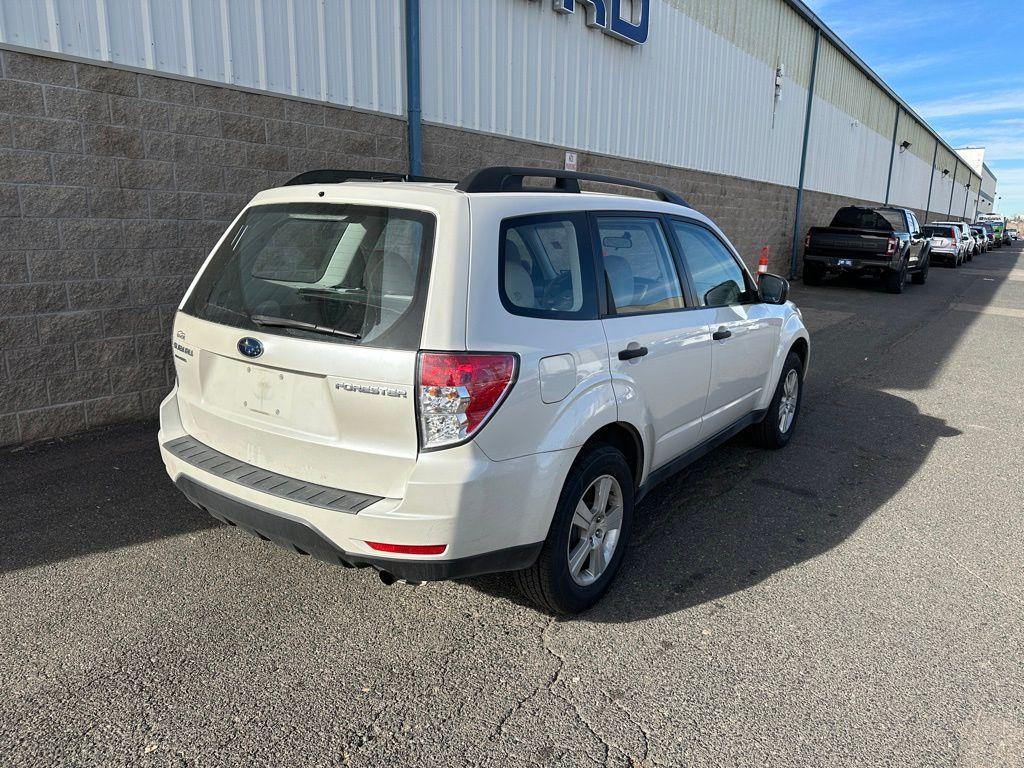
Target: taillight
(458, 392)
(807, 240)
(892, 246)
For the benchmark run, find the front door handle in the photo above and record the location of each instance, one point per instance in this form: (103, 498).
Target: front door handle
(631, 353)
(721, 334)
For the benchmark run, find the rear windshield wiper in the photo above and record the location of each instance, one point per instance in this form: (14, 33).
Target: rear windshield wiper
(284, 322)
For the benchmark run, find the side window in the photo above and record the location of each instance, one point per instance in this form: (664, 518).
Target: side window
(639, 271)
(718, 281)
(546, 268)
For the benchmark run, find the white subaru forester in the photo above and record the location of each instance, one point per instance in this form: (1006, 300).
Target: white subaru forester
(440, 380)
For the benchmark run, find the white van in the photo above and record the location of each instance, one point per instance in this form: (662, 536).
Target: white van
(440, 380)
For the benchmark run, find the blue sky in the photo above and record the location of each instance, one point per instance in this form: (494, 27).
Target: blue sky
(960, 65)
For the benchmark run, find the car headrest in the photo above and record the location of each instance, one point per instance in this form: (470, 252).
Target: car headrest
(518, 284)
(388, 273)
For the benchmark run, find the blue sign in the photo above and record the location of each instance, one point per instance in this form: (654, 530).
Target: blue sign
(250, 347)
(606, 15)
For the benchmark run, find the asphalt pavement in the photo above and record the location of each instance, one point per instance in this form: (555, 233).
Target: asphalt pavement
(854, 599)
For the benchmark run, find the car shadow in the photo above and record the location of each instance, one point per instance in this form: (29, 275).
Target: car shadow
(741, 514)
(101, 490)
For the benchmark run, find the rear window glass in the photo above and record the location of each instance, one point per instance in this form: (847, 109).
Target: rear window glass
(938, 232)
(345, 273)
(865, 218)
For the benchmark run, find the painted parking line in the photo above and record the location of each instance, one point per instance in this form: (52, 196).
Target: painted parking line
(1013, 274)
(988, 310)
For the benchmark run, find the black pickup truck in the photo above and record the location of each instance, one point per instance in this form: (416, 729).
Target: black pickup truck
(882, 241)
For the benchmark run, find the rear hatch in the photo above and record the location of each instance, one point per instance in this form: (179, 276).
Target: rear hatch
(942, 238)
(296, 349)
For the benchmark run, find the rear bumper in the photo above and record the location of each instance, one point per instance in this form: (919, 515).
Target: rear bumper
(490, 515)
(303, 538)
(855, 262)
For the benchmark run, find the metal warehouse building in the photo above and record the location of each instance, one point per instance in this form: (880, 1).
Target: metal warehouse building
(132, 131)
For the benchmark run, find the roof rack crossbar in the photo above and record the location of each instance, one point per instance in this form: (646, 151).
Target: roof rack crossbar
(335, 176)
(502, 178)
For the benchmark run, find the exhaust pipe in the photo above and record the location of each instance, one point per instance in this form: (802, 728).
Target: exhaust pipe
(389, 578)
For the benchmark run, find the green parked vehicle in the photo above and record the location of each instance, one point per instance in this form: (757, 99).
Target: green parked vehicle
(998, 224)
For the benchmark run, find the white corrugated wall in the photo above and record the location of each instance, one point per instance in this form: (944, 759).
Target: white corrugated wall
(347, 52)
(687, 98)
(699, 94)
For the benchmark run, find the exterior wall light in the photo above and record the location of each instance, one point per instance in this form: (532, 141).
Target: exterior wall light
(905, 146)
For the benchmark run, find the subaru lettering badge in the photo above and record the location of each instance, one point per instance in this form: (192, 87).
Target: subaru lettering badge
(250, 347)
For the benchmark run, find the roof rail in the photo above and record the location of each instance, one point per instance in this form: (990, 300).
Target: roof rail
(502, 178)
(334, 176)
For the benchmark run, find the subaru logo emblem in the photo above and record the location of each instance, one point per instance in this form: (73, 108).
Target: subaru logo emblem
(250, 347)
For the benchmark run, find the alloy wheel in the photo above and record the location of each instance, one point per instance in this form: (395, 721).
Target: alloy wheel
(594, 534)
(788, 402)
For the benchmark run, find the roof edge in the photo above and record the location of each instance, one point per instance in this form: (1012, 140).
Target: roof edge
(815, 21)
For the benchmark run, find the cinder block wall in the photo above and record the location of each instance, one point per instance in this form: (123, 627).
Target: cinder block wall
(114, 185)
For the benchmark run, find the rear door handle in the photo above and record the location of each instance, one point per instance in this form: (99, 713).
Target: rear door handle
(721, 334)
(631, 353)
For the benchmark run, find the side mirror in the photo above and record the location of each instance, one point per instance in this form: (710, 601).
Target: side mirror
(773, 289)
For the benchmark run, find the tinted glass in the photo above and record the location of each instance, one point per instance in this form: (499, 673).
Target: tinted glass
(544, 269)
(640, 273)
(938, 232)
(717, 279)
(865, 218)
(894, 218)
(350, 268)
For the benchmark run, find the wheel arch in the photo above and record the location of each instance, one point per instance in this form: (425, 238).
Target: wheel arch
(802, 350)
(624, 437)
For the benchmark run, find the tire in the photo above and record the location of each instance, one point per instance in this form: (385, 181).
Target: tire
(773, 432)
(814, 273)
(550, 582)
(921, 276)
(895, 281)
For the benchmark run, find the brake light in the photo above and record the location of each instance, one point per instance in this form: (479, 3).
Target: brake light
(892, 246)
(408, 549)
(458, 392)
(807, 240)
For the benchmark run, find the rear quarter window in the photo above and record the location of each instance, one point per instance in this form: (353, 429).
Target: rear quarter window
(546, 267)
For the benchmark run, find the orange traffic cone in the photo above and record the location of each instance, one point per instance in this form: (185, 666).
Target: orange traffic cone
(762, 263)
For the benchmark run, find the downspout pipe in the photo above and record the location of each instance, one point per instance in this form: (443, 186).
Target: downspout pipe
(952, 189)
(892, 154)
(931, 183)
(413, 102)
(803, 156)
